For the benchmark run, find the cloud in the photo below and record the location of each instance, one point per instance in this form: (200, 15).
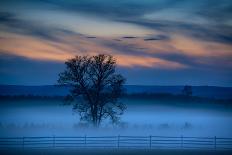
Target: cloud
(158, 37)
(213, 33)
(169, 35)
(37, 49)
(151, 62)
(43, 42)
(84, 23)
(10, 23)
(111, 9)
(129, 37)
(178, 48)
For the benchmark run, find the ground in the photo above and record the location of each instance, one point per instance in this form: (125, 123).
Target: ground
(115, 152)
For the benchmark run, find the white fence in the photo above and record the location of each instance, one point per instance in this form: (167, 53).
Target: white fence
(120, 142)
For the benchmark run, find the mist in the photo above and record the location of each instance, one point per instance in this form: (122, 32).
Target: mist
(44, 117)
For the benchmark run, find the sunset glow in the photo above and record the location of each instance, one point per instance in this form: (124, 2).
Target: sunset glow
(152, 37)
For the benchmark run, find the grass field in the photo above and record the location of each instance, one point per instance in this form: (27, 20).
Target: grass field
(115, 152)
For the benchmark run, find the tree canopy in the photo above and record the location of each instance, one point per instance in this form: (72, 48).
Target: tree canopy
(95, 81)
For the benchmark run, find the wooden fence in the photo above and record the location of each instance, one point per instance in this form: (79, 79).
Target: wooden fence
(120, 142)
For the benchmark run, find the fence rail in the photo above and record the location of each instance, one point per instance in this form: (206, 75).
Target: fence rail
(144, 142)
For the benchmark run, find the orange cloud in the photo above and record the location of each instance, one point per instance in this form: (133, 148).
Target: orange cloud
(130, 61)
(31, 48)
(70, 45)
(199, 48)
(178, 44)
(39, 49)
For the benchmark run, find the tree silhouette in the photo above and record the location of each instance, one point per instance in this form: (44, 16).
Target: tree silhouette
(187, 90)
(93, 79)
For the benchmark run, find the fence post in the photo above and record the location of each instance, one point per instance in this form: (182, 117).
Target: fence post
(85, 141)
(215, 142)
(23, 142)
(118, 141)
(181, 141)
(150, 141)
(54, 141)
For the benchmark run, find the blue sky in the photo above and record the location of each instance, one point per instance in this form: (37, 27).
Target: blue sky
(155, 42)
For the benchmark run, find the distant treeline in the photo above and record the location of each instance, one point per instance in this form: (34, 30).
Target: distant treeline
(165, 97)
(33, 97)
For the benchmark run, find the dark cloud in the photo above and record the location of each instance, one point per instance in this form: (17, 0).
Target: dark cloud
(91, 37)
(10, 23)
(132, 11)
(112, 9)
(220, 34)
(206, 63)
(134, 49)
(5, 16)
(129, 37)
(216, 12)
(157, 37)
(213, 10)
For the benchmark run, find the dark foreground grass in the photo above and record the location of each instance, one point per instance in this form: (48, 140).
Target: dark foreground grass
(113, 152)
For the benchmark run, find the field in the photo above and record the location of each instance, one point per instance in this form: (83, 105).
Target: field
(143, 116)
(118, 152)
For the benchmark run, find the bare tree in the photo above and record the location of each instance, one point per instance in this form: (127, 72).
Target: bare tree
(93, 79)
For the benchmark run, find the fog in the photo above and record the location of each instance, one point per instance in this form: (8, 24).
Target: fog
(40, 117)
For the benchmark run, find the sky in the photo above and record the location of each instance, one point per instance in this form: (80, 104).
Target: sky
(155, 42)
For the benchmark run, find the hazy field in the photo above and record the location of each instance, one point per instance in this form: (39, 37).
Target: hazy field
(118, 152)
(47, 117)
